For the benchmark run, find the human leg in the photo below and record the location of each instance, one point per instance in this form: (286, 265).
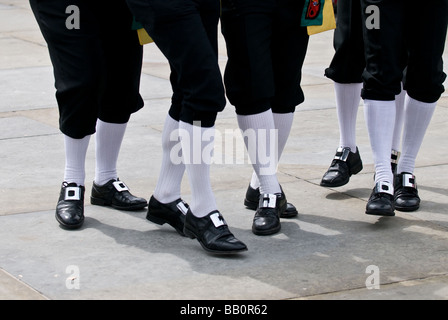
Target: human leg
(345, 70)
(182, 33)
(77, 87)
(249, 84)
(119, 97)
(426, 34)
(382, 82)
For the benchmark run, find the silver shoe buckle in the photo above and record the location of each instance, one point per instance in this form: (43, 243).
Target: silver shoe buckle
(269, 200)
(218, 220)
(120, 186)
(395, 155)
(409, 181)
(72, 193)
(342, 154)
(384, 187)
(182, 207)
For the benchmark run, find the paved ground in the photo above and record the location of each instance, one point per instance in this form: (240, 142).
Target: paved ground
(332, 250)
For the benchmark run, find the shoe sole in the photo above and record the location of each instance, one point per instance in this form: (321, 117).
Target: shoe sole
(250, 204)
(69, 226)
(354, 171)
(161, 222)
(285, 214)
(335, 185)
(289, 214)
(101, 202)
(407, 209)
(266, 232)
(190, 234)
(380, 213)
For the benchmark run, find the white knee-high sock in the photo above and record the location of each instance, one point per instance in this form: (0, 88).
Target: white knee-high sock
(283, 124)
(254, 182)
(348, 96)
(197, 156)
(260, 137)
(75, 159)
(418, 115)
(399, 120)
(380, 119)
(168, 188)
(108, 139)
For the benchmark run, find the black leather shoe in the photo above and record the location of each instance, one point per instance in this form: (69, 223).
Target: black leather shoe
(406, 195)
(212, 233)
(267, 217)
(381, 201)
(116, 194)
(252, 200)
(70, 207)
(172, 213)
(345, 163)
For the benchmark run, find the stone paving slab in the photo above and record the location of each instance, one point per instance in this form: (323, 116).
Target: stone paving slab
(122, 256)
(330, 251)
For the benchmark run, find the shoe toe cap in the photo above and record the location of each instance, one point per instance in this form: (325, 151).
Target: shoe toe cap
(334, 179)
(407, 204)
(230, 244)
(265, 225)
(70, 218)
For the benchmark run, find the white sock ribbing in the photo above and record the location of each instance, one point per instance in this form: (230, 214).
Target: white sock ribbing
(261, 142)
(197, 164)
(380, 119)
(348, 96)
(418, 115)
(168, 186)
(108, 139)
(75, 159)
(283, 124)
(399, 120)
